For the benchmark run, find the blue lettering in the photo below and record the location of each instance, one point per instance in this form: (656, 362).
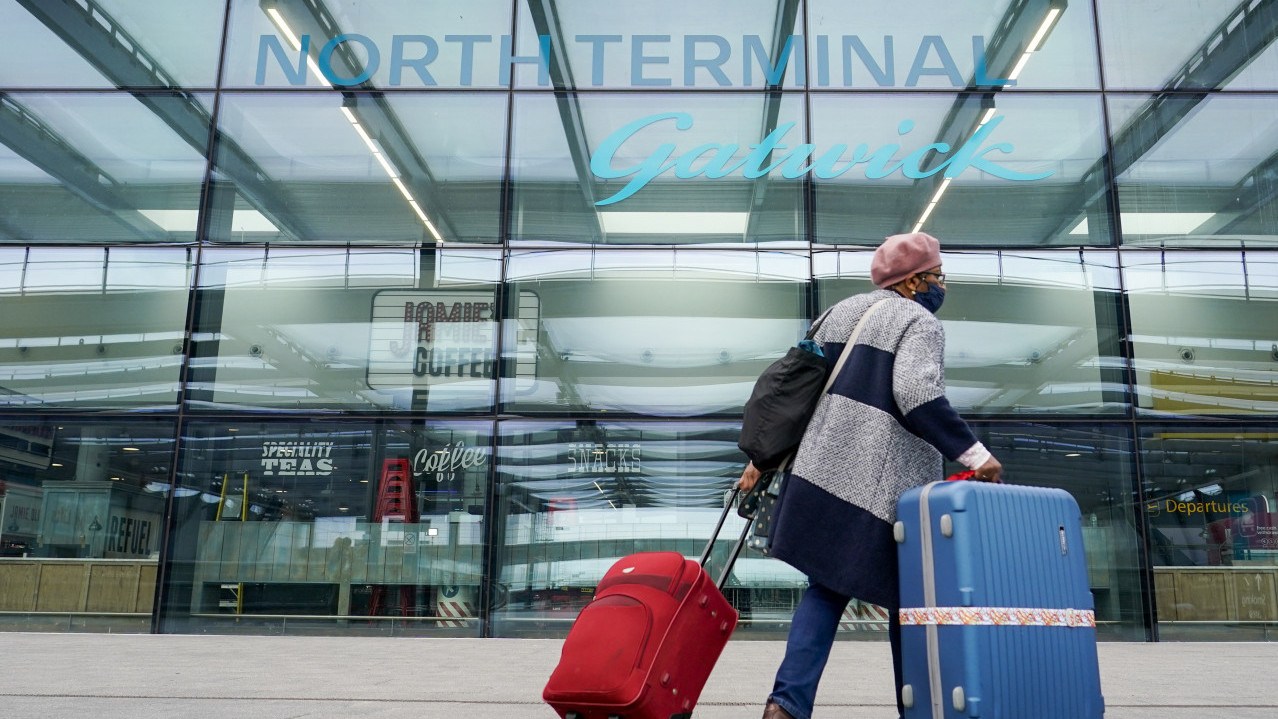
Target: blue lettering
(967, 156)
(948, 68)
(719, 164)
(638, 60)
(824, 167)
(823, 60)
(601, 159)
(714, 65)
(326, 59)
(760, 153)
(597, 54)
(542, 59)
(398, 62)
(775, 72)
(295, 75)
(978, 54)
(468, 53)
(885, 76)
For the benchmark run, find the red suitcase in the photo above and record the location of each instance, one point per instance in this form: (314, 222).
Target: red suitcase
(644, 647)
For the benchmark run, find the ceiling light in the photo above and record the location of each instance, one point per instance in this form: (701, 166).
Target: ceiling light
(1154, 223)
(130, 449)
(674, 223)
(188, 220)
(1034, 44)
(1073, 454)
(288, 33)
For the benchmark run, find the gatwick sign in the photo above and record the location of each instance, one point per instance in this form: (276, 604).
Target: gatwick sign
(411, 57)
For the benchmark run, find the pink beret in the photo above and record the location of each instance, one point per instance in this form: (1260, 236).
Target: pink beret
(903, 255)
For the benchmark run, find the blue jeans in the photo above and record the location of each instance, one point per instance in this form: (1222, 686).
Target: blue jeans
(808, 648)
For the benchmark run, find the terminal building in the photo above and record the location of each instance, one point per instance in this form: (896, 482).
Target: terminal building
(409, 317)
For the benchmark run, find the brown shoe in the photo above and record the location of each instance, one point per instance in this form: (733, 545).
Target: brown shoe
(774, 711)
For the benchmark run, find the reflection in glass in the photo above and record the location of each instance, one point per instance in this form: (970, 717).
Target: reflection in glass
(358, 169)
(576, 497)
(1204, 337)
(1153, 45)
(81, 522)
(110, 43)
(973, 168)
(939, 44)
(659, 332)
(91, 330)
(346, 329)
(98, 168)
(728, 43)
(1213, 527)
(386, 44)
(654, 169)
(318, 522)
(1092, 462)
(1196, 169)
(1026, 331)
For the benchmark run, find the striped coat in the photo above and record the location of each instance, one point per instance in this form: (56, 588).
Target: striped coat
(882, 429)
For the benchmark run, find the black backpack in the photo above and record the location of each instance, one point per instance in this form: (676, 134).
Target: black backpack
(786, 395)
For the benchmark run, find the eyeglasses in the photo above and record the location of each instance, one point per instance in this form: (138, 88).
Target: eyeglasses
(940, 276)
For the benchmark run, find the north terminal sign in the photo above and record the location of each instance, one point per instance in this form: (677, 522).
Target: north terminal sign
(412, 55)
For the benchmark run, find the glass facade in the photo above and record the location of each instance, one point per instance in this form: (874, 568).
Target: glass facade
(409, 318)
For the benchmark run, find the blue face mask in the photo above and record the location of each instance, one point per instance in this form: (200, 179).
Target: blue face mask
(932, 298)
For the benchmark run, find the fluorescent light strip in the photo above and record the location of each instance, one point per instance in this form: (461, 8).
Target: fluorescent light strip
(927, 212)
(284, 28)
(1042, 29)
(1034, 43)
(350, 116)
(407, 195)
(674, 223)
(989, 115)
(386, 165)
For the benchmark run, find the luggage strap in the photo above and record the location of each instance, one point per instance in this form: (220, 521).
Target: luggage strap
(997, 617)
(736, 548)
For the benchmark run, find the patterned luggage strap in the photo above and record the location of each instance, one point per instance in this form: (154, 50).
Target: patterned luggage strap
(997, 617)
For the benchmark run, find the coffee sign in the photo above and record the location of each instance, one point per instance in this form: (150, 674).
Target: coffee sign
(421, 338)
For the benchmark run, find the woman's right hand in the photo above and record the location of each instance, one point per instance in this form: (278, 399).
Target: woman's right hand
(749, 478)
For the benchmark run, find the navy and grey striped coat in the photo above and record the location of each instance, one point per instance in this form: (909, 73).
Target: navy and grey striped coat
(881, 430)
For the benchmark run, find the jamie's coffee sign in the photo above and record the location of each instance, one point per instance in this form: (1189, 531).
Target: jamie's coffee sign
(421, 338)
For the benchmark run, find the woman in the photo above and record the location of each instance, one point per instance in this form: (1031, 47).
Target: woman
(882, 428)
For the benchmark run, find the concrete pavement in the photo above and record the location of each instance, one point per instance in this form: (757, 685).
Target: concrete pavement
(114, 676)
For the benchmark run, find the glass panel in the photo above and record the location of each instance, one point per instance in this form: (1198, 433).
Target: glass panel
(973, 169)
(1026, 332)
(1196, 169)
(359, 169)
(656, 169)
(1213, 529)
(576, 497)
(88, 330)
(100, 168)
(941, 44)
(110, 43)
(346, 329)
(297, 527)
(661, 44)
(1203, 331)
(660, 332)
(1092, 462)
(389, 43)
(81, 522)
(1200, 44)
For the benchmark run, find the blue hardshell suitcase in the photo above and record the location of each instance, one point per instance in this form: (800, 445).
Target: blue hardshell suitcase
(997, 619)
